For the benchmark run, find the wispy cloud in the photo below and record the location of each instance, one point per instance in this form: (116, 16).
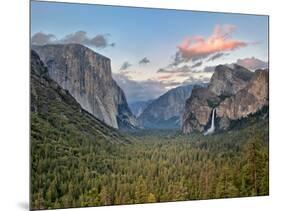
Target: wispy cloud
(252, 63)
(177, 59)
(80, 37)
(164, 77)
(198, 64)
(197, 80)
(163, 81)
(41, 38)
(184, 75)
(184, 68)
(125, 66)
(144, 61)
(209, 69)
(198, 47)
(139, 90)
(217, 56)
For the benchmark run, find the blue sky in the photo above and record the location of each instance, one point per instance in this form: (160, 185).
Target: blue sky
(155, 34)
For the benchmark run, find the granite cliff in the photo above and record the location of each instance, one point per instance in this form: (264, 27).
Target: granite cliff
(234, 93)
(56, 114)
(87, 76)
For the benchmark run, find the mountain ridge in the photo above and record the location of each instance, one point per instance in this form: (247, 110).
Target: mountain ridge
(164, 112)
(138, 107)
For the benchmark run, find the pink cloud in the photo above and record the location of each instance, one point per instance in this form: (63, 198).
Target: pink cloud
(252, 63)
(196, 47)
(164, 77)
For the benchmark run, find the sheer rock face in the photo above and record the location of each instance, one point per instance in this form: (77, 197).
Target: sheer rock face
(234, 92)
(246, 101)
(198, 110)
(48, 99)
(227, 81)
(165, 111)
(87, 76)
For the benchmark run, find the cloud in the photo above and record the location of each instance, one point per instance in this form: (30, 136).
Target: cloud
(80, 37)
(177, 59)
(196, 80)
(145, 60)
(161, 70)
(42, 39)
(198, 47)
(158, 85)
(184, 75)
(164, 77)
(252, 63)
(249, 63)
(100, 41)
(198, 64)
(217, 56)
(139, 90)
(125, 66)
(182, 69)
(76, 37)
(209, 69)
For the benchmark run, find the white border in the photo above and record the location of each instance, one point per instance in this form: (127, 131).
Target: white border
(14, 86)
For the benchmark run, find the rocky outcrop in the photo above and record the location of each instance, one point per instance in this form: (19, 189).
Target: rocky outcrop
(87, 76)
(53, 108)
(227, 81)
(234, 92)
(164, 112)
(198, 109)
(246, 101)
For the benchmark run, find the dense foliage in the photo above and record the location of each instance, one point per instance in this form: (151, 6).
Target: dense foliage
(70, 171)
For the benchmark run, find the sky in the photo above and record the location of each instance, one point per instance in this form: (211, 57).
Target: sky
(154, 50)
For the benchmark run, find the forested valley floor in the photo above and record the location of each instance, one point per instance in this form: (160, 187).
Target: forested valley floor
(70, 169)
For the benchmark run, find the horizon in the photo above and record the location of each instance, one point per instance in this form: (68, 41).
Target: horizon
(181, 47)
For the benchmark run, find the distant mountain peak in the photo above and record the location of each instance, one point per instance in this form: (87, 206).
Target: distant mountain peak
(165, 111)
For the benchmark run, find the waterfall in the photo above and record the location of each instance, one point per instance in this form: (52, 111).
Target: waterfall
(212, 128)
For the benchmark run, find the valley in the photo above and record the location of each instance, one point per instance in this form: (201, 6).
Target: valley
(101, 154)
(132, 105)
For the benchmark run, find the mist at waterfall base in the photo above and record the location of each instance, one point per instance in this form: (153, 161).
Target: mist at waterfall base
(212, 128)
